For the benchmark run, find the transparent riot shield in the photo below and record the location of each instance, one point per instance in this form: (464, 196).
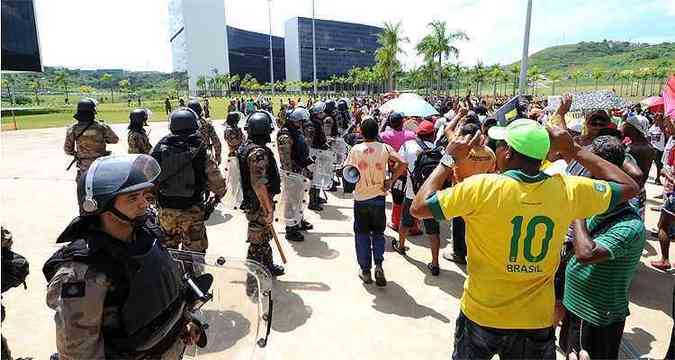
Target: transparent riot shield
(339, 147)
(235, 308)
(323, 169)
(291, 202)
(235, 193)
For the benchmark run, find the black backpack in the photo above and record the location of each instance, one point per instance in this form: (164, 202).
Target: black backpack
(425, 164)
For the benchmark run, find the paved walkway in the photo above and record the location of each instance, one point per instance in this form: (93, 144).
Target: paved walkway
(322, 310)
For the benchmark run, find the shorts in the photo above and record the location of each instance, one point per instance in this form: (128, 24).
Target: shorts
(431, 226)
(601, 342)
(669, 209)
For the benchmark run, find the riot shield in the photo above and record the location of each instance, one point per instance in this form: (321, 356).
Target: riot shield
(235, 308)
(235, 193)
(339, 147)
(291, 203)
(323, 169)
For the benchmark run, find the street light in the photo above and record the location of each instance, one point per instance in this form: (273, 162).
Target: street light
(313, 47)
(526, 43)
(269, 13)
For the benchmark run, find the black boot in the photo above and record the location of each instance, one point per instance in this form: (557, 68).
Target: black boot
(293, 234)
(276, 270)
(306, 225)
(314, 200)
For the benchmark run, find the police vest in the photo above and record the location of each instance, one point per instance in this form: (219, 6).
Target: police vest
(299, 150)
(183, 180)
(319, 140)
(147, 288)
(334, 128)
(251, 202)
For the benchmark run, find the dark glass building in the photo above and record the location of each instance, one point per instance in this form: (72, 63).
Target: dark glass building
(249, 53)
(340, 46)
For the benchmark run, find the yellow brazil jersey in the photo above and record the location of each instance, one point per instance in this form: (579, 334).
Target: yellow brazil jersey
(515, 227)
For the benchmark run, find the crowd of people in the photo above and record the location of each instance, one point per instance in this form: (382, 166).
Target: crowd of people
(548, 216)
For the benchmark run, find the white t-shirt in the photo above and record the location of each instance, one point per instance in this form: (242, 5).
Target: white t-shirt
(409, 152)
(656, 137)
(371, 159)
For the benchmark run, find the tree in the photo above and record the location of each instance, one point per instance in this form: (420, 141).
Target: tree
(597, 74)
(612, 75)
(534, 77)
(125, 86)
(437, 44)
(625, 75)
(36, 85)
(496, 74)
(201, 83)
(576, 76)
(515, 71)
(554, 77)
(62, 79)
(85, 89)
(235, 80)
(479, 75)
(107, 78)
(390, 40)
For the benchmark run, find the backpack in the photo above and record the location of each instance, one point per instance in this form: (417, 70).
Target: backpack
(14, 269)
(425, 164)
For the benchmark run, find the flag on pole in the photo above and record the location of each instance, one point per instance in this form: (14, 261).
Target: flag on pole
(668, 95)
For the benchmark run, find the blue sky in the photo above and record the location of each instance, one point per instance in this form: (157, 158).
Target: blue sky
(133, 34)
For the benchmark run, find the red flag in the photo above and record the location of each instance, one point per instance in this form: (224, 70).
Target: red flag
(669, 97)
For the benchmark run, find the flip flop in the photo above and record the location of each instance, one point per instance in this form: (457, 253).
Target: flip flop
(395, 246)
(663, 266)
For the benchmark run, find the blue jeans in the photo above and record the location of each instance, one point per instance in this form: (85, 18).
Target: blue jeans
(369, 225)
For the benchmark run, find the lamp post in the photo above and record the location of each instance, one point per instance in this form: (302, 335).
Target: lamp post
(269, 13)
(313, 48)
(526, 43)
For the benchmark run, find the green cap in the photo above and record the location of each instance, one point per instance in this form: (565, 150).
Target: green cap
(525, 136)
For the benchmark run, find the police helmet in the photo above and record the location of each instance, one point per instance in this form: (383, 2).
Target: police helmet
(183, 120)
(396, 119)
(343, 104)
(138, 118)
(233, 117)
(195, 106)
(259, 123)
(86, 105)
(114, 175)
(317, 107)
(330, 106)
(298, 114)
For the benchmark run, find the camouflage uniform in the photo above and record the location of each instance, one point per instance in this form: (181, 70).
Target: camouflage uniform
(186, 226)
(233, 137)
(210, 139)
(328, 123)
(90, 145)
(138, 142)
(259, 231)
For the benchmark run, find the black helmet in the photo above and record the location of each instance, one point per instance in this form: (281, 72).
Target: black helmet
(195, 106)
(233, 117)
(330, 106)
(298, 114)
(183, 120)
(396, 119)
(113, 175)
(343, 104)
(317, 107)
(138, 118)
(86, 105)
(259, 123)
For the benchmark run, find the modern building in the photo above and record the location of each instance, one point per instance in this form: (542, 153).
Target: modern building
(340, 46)
(198, 42)
(249, 53)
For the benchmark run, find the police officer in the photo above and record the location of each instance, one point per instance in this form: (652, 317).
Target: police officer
(188, 175)
(294, 156)
(330, 126)
(260, 181)
(234, 136)
(86, 139)
(343, 116)
(116, 291)
(137, 138)
(315, 135)
(207, 132)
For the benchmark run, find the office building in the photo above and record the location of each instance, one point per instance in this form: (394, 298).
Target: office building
(249, 53)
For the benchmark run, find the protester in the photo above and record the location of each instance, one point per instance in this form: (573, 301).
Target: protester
(658, 141)
(607, 250)
(640, 149)
(507, 305)
(371, 159)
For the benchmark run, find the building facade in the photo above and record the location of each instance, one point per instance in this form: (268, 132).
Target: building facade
(340, 46)
(249, 53)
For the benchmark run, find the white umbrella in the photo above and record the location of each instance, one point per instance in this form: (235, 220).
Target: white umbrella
(409, 105)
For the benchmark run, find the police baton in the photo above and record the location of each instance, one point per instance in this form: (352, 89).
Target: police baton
(276, 240)
(72, 162)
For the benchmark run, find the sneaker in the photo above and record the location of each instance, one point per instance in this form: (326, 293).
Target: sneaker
(277, 270)
(434, 269)
(450, 256)
(294, 235)
(397, 247)
(315, 207)
(380, 280)
(366, 277)
(322, 200)
(305, 225)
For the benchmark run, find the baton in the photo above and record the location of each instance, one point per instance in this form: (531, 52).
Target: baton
(276, 240)
(71, 163)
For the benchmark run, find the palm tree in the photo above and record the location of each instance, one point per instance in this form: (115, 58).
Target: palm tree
(201, 83)
(555, 77)
(534, 77)
(62, 78)
(496, 73)
(515, 71)
(479, 75)
(612, 75)
(624, 75)
(437, 44)
(107, 78)
(390, 40)
(576, 76)
(597, 74)
(35, 85)
(235, 80)
(124, 86)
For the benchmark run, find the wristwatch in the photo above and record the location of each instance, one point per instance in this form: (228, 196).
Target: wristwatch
(448, 161)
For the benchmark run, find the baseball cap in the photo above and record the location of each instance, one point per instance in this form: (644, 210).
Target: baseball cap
(525, 136)
(426, 127)
(635, 121)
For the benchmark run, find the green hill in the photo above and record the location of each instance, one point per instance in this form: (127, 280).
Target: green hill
(605, 55)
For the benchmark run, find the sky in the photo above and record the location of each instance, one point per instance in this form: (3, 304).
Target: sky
(133, 34)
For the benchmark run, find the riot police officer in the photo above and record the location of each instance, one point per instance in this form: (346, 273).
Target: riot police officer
(330, 126)
(234, 136)
(86, 140)
(260, 182)
(188, 176)
(207, 132)
(343, 116)
(137, 138)
(294, 156)
(117, 293)
(315, 135)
